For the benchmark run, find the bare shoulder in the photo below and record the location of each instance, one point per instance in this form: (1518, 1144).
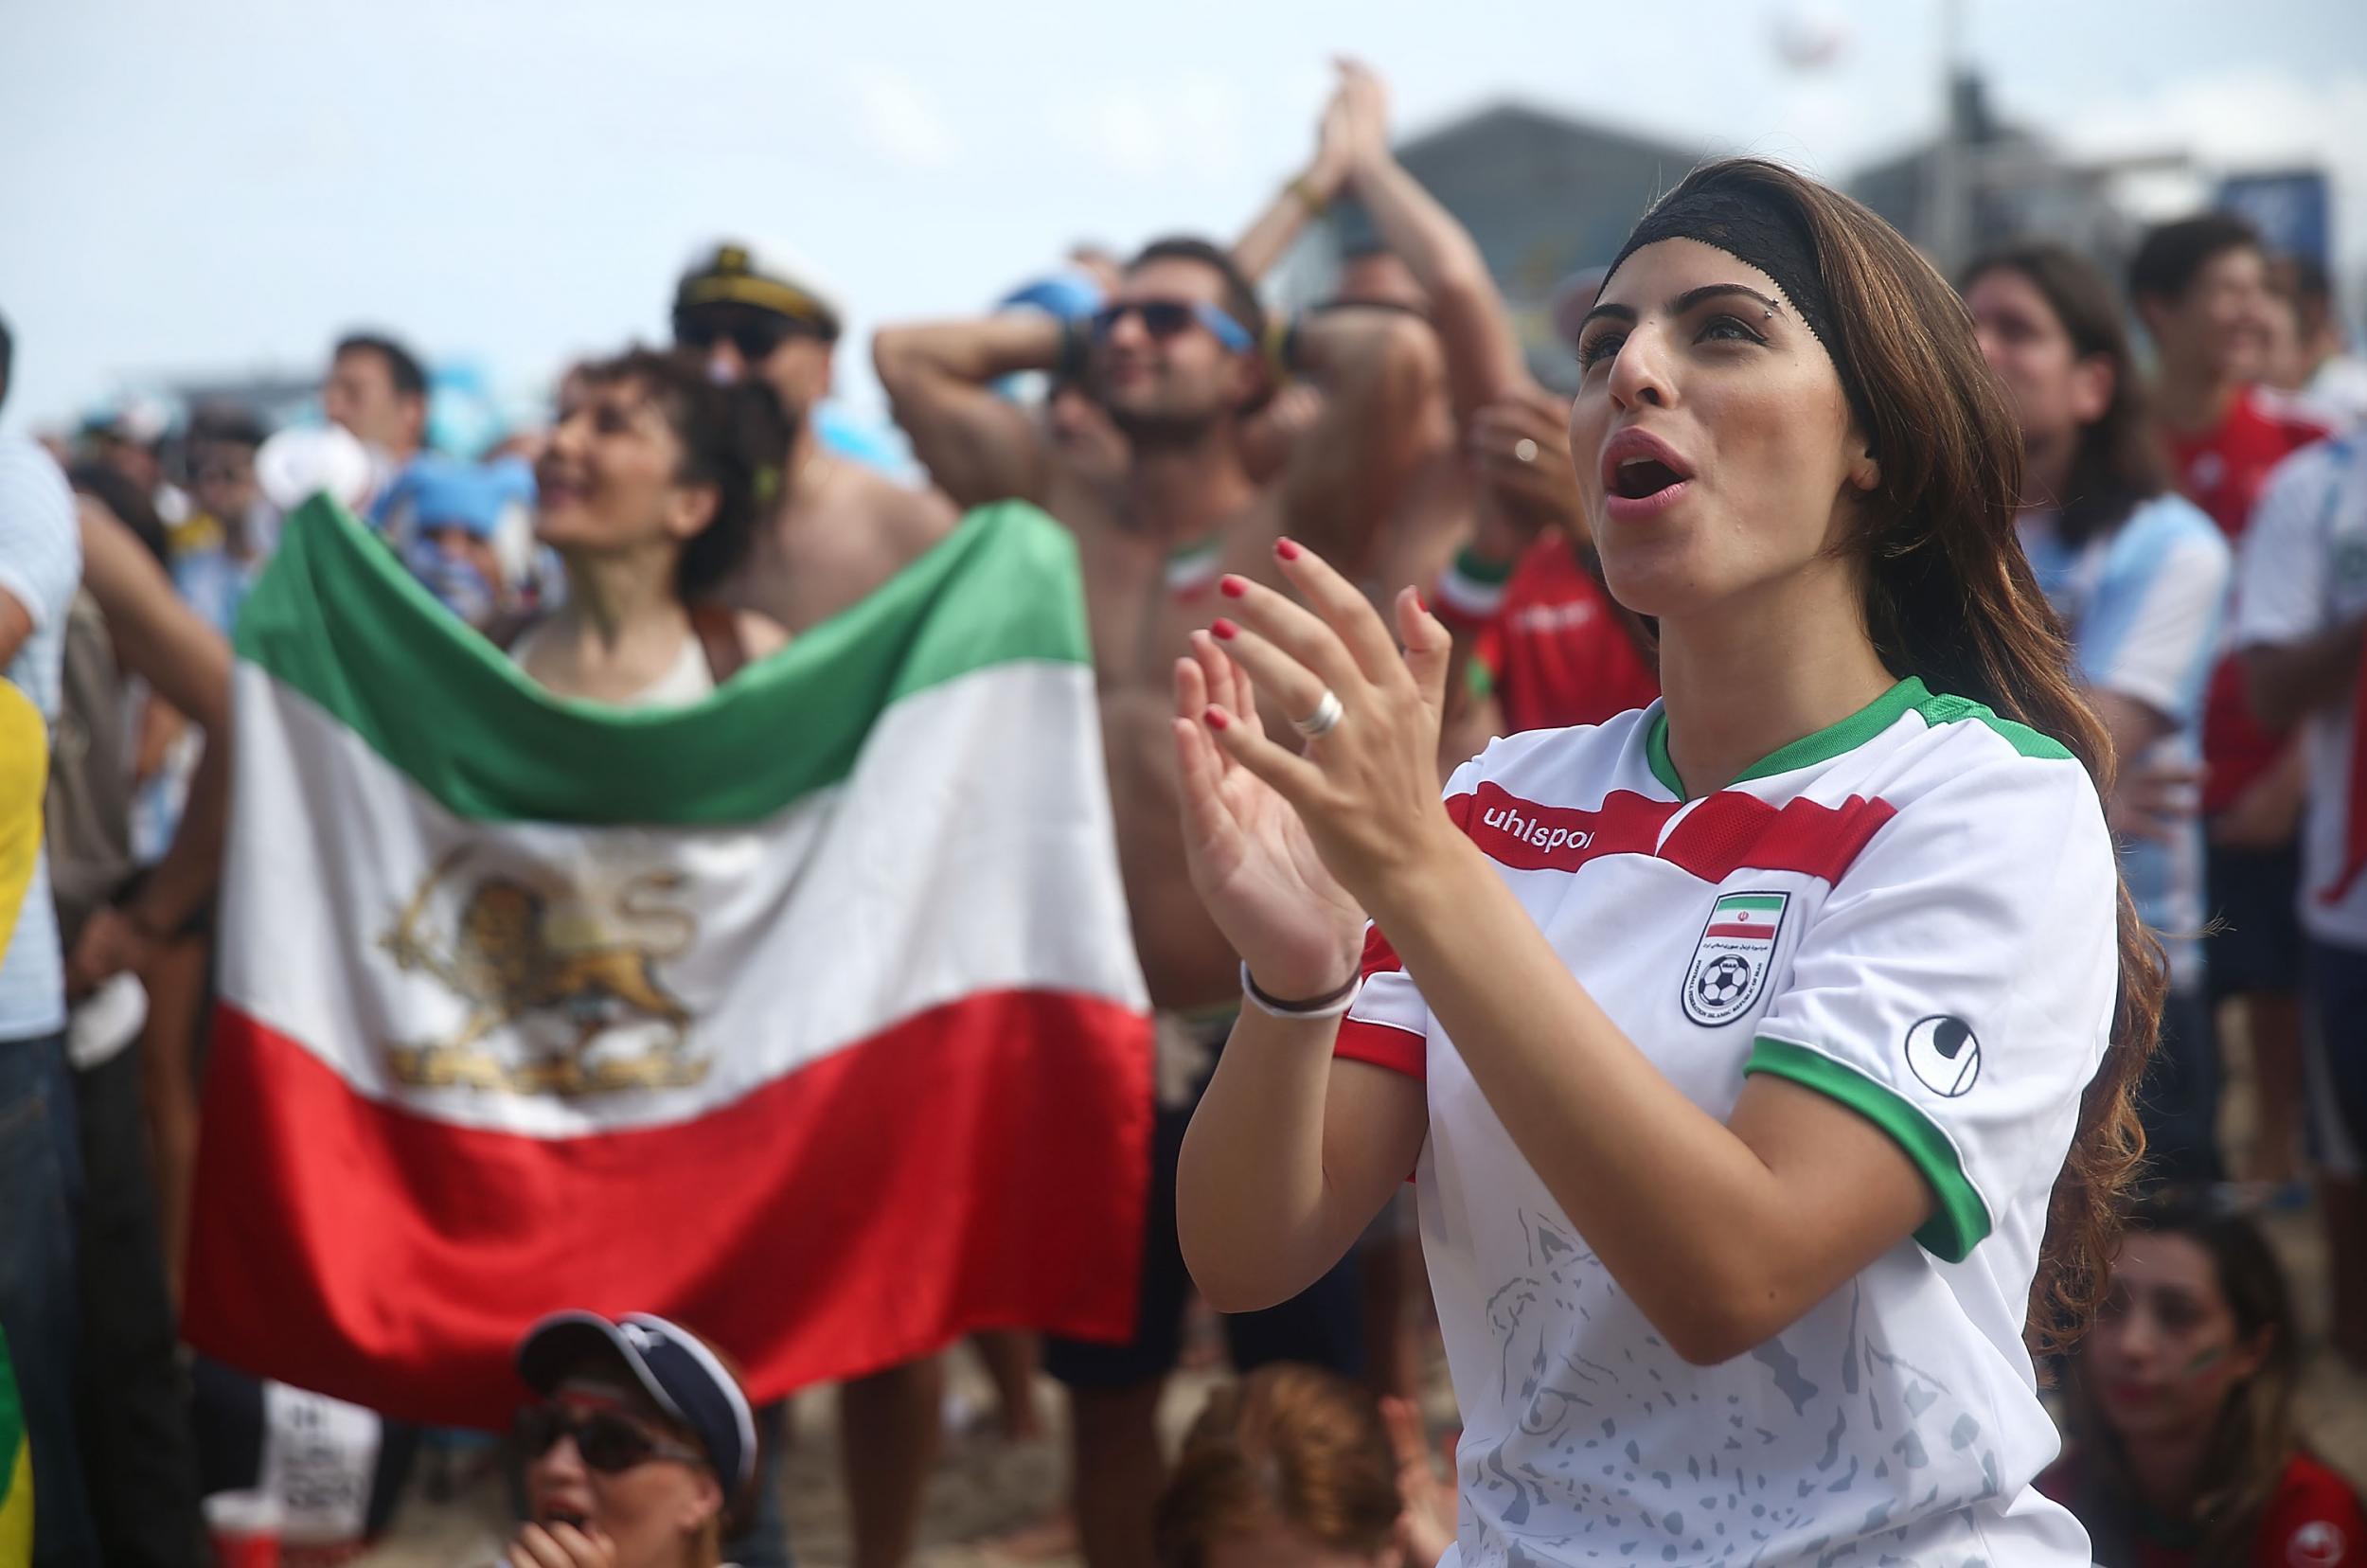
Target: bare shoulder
(761, 635)
(913, 519)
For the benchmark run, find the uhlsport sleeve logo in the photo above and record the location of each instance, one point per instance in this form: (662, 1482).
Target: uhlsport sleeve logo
(1945, 1054)
(1730, 963)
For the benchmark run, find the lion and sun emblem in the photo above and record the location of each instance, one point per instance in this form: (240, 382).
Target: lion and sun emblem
(562, 993)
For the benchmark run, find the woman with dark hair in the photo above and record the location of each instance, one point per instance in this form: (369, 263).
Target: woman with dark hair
(650, 492)
(2140, 577)
(2183, 1445)
(1764, 1057)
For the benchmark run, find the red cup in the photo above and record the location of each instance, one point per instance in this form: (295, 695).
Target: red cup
(246, 1527)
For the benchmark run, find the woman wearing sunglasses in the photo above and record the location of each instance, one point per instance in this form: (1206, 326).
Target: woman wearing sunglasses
(1764, 1057)
(639, 1448)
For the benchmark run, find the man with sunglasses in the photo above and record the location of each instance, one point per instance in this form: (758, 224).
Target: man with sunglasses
(841, 529)
(1178, 362)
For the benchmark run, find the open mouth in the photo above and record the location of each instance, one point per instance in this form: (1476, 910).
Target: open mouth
(565, 1516)
(1640, 478)
(1640, 467)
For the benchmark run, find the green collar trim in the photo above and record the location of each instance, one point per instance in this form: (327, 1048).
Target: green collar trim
(1826, 744)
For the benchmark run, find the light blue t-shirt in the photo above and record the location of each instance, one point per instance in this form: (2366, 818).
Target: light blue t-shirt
(40, 564)
(2145, 603)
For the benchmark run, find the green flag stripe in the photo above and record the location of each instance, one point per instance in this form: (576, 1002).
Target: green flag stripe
(11, 1426)
(1751, 901)
(336, 617)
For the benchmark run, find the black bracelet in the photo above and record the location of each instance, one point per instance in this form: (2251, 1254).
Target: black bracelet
(1075, 345)
(1329, 1006)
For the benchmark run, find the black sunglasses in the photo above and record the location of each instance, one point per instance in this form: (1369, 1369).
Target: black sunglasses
(755, 337)
(608, 1443)
(1166, 319)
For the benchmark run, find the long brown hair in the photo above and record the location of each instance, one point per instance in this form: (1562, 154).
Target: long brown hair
(1292, 1446)
(2118, 462)
(2256, 1436)
(1950, 598)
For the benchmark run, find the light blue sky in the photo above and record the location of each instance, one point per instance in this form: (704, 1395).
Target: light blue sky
(222, 184)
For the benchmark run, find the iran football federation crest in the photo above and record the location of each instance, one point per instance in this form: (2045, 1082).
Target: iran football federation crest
(1730, 964)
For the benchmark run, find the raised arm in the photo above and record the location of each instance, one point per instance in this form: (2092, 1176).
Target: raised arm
(977, 446)
(158, 637)
(1272, 233)
(1378, 370)
(1483, 355)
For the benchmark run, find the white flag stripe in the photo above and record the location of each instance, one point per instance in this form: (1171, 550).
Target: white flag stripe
(829, 899)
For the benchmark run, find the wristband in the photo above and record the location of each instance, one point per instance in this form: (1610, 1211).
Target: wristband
(1309, 198)
(146, 932)
(1282, 345)
(1332, 1005)
(1473, 587)
(1076, 344)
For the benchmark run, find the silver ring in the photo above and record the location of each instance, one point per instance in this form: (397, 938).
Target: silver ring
(1525, 450)
(1325, 718)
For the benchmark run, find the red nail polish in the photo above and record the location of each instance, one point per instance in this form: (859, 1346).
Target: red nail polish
(1223, 630)
(1417, 602)
(1286, 549)
(1232, 587)
(1215, 718)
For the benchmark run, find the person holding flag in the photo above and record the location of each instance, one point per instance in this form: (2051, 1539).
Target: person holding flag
(1764, 1057)
(615, 961)
(2301, 619)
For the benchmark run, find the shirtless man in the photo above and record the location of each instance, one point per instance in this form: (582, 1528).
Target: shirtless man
(841, 531)
(1500, 494)
(1175, 362)
(843, 528)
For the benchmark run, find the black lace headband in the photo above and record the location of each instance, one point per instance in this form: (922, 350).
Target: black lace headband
(1767, 235)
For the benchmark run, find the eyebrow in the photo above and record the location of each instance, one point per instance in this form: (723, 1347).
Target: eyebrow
(1685, 302)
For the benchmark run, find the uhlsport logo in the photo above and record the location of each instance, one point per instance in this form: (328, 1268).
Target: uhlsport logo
(1730, 963)
(1945, 1054)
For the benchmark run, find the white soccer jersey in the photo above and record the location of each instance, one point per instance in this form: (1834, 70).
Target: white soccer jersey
(2304, 571)
(1911, 912)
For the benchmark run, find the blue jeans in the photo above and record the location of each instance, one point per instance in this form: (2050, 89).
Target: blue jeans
(40, 1176)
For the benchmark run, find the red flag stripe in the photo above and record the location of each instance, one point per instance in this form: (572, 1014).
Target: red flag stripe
(981, 1165)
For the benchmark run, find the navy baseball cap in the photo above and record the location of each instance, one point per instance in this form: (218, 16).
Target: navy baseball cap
(681, 1374)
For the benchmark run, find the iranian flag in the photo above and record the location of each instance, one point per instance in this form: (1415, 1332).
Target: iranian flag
(807, 1015)
(1750, 917)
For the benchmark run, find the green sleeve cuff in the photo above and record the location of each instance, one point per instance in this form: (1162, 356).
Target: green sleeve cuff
(1481, 569)
(1959, 1218)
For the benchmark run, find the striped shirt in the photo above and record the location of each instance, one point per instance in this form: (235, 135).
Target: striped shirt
(1909, 912)
(40, 564)
(2145, 603)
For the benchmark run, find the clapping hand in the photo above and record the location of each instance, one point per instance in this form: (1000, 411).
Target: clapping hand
(1286, 849)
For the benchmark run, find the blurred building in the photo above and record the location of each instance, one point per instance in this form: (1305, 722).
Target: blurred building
(1543, 194)
(2011, 184)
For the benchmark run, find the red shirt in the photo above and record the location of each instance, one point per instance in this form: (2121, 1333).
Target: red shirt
(2314, 1521)
(2222, 470)
(1558, 653)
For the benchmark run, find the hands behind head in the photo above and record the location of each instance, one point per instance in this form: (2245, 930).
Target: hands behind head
(1289, 849)
(1518, 449)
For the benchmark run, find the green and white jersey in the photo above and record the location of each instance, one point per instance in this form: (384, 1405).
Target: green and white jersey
(1911, 912)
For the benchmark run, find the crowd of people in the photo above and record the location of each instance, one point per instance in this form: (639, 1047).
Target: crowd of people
(1764, 830)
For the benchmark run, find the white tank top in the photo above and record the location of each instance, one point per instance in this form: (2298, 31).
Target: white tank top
(687, 680)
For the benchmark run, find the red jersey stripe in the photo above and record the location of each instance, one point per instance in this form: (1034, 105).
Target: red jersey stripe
(1723, 834)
